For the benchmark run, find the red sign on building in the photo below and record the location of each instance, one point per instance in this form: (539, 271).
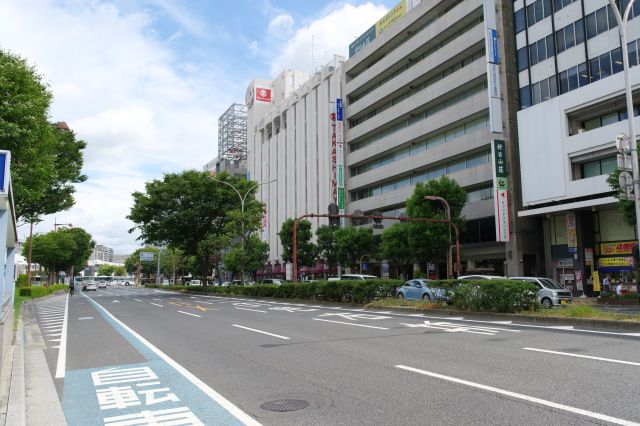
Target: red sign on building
(263, 95)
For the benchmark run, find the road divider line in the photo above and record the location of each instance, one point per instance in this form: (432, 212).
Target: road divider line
(155, 304)
(348, 323)
(262, 332)
(597, 358)
(252, 310)
(516, 395)
(138, 300)
(189, 313)
(61, 365)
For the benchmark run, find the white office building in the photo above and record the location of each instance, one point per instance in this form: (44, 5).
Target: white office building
(571, 93)
(289, 144)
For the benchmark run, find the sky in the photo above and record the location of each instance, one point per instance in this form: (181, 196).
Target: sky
(143, 82)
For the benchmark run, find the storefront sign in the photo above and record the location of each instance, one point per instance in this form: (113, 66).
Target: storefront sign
(579, 280)
(595, 278)
(500, 185)
(385, 269)
(609, 262)
(572, 235)
(588, 256)
(563, 263)
(622, 247)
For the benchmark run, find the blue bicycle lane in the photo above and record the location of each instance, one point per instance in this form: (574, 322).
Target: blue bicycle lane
(148, 388)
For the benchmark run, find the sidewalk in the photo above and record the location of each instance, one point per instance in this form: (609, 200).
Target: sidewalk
(33, 399)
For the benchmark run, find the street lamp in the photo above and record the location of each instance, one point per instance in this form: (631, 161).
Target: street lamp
(633, 146)
(242, 200)
(447, 210)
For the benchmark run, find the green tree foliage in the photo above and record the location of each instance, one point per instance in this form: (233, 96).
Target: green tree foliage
(307, 251)
(183, 209)
(353, 243)
(627, 207)
(111, 270)
(326, 243)
(395, 246)
(146, 268)
(61, 250)
(45, 160)
(430, 241)
(173, 263)
(254, 255)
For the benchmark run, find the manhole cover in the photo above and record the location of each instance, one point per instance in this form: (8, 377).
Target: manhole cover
(285, 405)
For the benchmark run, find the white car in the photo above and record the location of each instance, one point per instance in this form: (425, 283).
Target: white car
(195, 282)
(88, 286)
(102, 284)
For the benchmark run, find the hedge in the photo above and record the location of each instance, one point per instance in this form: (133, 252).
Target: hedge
(490, 295)
(40, 291)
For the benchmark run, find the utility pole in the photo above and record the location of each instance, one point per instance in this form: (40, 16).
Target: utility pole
(158, 270)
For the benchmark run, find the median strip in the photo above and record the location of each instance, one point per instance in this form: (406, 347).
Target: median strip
(597, 358)
(551, 404)
(261, 332)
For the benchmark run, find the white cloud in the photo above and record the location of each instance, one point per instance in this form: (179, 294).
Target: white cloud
(328, 35)
(121, 89)
(280, 25)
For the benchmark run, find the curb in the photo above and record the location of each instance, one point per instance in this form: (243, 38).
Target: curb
(16, 408)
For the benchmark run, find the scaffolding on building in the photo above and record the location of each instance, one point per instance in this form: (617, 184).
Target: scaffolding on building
(232, 133)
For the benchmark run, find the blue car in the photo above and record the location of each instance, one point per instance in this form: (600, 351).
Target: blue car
(421, 289)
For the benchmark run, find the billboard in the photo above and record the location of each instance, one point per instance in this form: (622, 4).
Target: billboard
(146, 256)
(501, 188)
(391, 17)
(257, 94)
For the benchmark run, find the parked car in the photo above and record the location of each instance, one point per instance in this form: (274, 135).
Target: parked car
(551, 293)
(421, 289)
(357, 277)
(195, 282)
(273, 281)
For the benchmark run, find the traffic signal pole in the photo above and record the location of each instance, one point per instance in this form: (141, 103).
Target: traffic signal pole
(401, 219)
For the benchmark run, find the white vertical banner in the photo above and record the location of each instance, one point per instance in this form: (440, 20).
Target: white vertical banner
(493, 61)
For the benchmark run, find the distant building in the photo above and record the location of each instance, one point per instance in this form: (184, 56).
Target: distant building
(102, 254)
(232, 133)
(233, 167)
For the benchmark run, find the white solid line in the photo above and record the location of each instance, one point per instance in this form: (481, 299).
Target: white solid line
(261, 332)
(137, 300)
(348, 323)
(187, 313)
(85, 318)
(584, 356)
(523, 397)
(252, 310)
(225, 403)
(155, 304)
(62, 352)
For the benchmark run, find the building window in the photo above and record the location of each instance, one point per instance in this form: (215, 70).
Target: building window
(519, 20)
(608, 118)
(569, 36)
(525, 97)
(523, 58)
(601, 20)
(603, 166)
(481, 194)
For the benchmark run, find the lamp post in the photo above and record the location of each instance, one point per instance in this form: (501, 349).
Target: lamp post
(242, 200)
(447, 210)
(633, 146)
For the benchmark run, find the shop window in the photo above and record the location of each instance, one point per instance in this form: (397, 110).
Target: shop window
(558, 229)
(613, 226)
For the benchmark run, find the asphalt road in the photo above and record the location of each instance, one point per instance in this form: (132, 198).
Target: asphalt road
(127, 356)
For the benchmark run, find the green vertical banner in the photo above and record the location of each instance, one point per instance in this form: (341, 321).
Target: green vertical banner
(501, 190)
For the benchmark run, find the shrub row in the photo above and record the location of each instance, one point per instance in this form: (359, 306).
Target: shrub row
(40, 291)
(491, 295)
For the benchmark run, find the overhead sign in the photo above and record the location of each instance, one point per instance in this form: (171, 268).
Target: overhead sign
(501, 190)
(623, 247)
(146, 256)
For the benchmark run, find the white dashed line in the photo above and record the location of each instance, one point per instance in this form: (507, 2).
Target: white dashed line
(583, 356)
(261, 332)
(155, 304)
(348, 323)
(188, 313)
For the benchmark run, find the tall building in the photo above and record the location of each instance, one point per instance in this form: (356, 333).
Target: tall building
(225, 165)
(232, 133)
(571, 94)
(423, 99)
(102, 254)
(289, 145)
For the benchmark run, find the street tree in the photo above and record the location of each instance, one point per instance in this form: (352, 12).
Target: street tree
(132, 262)
(353, 243)
(251, 257)
(430, 241)
(62, 250)
(326, 243)
(395, 247)
(306, 250)
(173, 263)
(46, 159)
(111, 270)
(183, 208)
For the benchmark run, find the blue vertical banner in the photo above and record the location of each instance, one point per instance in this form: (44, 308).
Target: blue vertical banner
(3, 172)
(339, 109)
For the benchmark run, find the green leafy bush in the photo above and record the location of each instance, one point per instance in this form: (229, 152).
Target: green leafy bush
(491, 295)
(40, 291)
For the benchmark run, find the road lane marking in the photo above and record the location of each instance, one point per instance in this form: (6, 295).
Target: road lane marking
(522, 397)
(188, 313)
(138, 300)
(222, 401)
(261, 332)
(350, 323)
(155, 304)
(252, 310)
(84, 318)
(583, 356)
(62, 352)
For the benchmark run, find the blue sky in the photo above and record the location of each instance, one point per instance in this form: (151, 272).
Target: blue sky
(144, 81)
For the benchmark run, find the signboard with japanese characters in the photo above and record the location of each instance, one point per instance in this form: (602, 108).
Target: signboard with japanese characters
(501, 190)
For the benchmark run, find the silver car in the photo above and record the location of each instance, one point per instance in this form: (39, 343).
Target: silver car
(551, 293)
